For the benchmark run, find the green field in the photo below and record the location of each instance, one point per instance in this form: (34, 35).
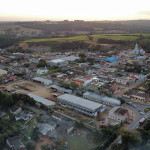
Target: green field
(130, 37)
(98, 29)
(79, 143)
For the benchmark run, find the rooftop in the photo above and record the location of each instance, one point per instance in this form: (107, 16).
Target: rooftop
(41, 100)
(80, 101)
(1, 70)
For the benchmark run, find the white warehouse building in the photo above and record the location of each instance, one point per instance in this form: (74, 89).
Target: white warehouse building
(80, 104)
(102, 99)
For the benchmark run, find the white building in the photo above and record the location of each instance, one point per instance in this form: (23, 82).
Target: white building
(123, 80)
(57, 62)
(42, 100)
(80, 104)
(138, 51)
(118, 114)
(102, 99)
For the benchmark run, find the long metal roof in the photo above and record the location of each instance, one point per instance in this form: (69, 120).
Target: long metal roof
(102, 98)
(41, 100)
(42, 80)
(80, 101)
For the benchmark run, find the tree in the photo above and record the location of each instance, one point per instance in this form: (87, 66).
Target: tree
(81, 55)
(35, 134)
(130, 138)
(115, 146)
(30, 146)
(42, 63)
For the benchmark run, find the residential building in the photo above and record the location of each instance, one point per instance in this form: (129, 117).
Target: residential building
(123, 80)
(3, 115)
(15, 110)
(118, 114)
(24, 115)
(44, 128)
(15, 144)
(139, 97)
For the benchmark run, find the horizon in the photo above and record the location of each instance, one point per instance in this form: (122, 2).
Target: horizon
(97, 10)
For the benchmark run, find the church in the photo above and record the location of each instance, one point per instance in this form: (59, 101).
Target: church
(138, 51)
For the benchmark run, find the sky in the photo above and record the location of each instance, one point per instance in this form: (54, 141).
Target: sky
(26, 10)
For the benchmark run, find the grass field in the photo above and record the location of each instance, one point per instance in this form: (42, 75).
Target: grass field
(131, 37)
(79, 143)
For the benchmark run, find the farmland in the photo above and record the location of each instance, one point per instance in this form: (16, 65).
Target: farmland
(93, 38)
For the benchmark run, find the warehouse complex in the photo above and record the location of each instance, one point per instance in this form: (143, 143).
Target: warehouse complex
(80, 104)
(101, 99)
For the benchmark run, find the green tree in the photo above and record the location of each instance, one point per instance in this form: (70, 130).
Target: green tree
(30, 146)
(130, 138)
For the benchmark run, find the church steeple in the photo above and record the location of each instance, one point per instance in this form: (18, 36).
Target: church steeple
(136, 46)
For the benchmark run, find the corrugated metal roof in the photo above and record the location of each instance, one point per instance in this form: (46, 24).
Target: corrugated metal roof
(80, 102)
(41, 100)
(102, 98)
(45, 81)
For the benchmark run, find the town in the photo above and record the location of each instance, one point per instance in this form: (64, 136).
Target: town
(58, 100)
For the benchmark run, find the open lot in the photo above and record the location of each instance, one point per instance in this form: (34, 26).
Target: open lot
(24, 86)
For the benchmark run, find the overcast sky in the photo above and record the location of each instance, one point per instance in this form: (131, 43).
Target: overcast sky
(15, 10)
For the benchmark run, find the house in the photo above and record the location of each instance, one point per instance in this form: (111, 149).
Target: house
(118, 114)
(44, 128)
(3, 115)
(139, 97)
(123, 80)
(15, 144)
(65, 127)
(25, 115)
(83, 80)
(15, 110)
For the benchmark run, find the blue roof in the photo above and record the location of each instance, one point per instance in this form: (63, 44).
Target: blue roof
(111, 59)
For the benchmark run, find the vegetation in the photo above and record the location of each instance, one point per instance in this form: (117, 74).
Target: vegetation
(7, 101)
(8, 128)
(96, 37)
(42, 63)
(146, 110)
